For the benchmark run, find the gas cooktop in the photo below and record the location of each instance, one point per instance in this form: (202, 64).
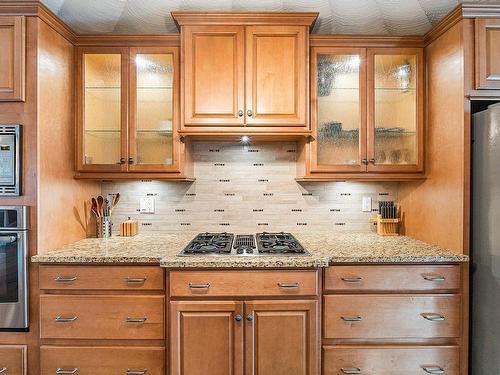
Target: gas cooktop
(244, 244)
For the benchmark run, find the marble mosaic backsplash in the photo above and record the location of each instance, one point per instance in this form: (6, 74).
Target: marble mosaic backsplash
(247, 189)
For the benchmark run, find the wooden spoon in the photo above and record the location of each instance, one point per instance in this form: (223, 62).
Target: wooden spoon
(94, 207)
(100, 202)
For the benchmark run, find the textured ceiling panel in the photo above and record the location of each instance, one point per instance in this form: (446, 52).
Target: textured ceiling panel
(384, 17)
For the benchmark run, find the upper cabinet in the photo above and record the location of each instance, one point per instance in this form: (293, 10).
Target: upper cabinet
(12, 58)
(244, 72)
(366, 112)
(487, 53)
(127, 101)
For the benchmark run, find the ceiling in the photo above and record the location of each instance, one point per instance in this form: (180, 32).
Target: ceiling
(383, 17)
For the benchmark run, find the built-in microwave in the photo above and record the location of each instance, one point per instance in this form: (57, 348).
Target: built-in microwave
(10, 160)
(13, 268)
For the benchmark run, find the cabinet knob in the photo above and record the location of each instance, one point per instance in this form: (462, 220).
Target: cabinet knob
(130, 160)
(249, 113)
(364, 161)
(238, 318)
(122, 161)
(240, 113)
(372, 160)
(249, 317)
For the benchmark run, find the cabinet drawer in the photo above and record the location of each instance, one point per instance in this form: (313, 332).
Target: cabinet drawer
(392, 278)
(101, 277)
(243, 283)
(417, 360)
(102, 360)
(399, 316)
(13, 359)
(102, 317)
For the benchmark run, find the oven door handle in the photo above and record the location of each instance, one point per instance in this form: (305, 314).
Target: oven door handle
(7, 239)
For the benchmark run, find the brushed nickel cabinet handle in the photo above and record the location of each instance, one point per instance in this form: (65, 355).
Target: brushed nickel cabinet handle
(288, 285)
(350, 370)
(249, 113)
(434, 370)
(136, 280)
(3, 369)
(65, 279)
(67, 319)
(63, 371)
(136, 320)
(351, 318)
(199, 286)
(433, 317)
(433, 277)
(240, 113)
(136, 372)
(353, 279)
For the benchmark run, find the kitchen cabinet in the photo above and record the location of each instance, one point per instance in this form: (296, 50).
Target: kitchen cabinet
(12, 58)
(13, 359)
(242, 73)
(487, 55)
(366, 112)
(127, 111)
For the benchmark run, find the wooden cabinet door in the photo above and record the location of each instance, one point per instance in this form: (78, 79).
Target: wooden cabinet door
(12, 58)
(206, 337)
(487, 53)
(214, 60)
(276, 76)
(281, 338)
(13, 359)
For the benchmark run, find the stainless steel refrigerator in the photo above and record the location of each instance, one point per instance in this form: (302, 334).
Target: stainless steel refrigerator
(485, 312)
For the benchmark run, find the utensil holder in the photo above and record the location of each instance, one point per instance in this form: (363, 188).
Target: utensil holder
(387, 227)
(103, 227)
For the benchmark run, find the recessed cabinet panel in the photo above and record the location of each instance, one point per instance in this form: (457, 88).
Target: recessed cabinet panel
(487, 53)
(12, 58)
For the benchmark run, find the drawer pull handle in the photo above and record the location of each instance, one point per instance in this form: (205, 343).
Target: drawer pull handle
(434, 370)
(433, 317)
(433, 277)
(62, 319)
(136, 280)
(354, 279)
(199, 286)
(3, 369)
(288, 285)
(350, 370)
(136, 372)
(351, 318)
(65, 279)
(136, 320)
(63, 371)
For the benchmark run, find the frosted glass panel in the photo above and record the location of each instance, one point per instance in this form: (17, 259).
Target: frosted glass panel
(102, 106)
(154, 108)
(395, 109)
(338, 109)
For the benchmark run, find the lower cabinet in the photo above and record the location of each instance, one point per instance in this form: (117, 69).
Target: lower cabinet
(13, 359)
(268, 337)
(82, 360)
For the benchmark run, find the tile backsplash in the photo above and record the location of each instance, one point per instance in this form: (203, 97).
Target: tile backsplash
(248, 188)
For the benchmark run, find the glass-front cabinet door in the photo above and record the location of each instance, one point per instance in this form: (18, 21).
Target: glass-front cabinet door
(395, 110)
(338, 111)
(153, 109)
(102, 111)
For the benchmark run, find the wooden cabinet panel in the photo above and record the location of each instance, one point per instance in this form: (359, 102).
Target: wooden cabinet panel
(206, 338)
(102, 360)
(276, 75)
(214, 75)
(243, 283)
(12, 58)
(281, 337)
(392, 278)
(487, 53)
(101, 278)
(390, 360)
(13, 359)
(102, 317)
(391, 316)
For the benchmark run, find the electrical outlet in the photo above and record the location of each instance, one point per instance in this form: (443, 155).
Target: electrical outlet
(147, 205)
(367, 204)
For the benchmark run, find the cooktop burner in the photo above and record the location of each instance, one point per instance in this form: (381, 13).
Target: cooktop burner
(244, 244)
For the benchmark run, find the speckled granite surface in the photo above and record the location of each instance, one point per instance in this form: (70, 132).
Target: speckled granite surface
(325, 249)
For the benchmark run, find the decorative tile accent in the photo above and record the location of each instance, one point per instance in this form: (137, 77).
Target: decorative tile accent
(229, 194)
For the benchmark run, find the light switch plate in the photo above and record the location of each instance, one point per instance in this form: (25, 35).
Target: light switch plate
(367, 204)
(147, 205)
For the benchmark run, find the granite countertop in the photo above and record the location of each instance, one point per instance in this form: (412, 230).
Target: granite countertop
(325, 249)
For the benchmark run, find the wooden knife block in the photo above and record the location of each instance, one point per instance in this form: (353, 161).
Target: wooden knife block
(129, 228)
(387, 227)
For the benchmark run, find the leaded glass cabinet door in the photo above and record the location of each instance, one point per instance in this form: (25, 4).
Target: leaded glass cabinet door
(154, 98)
(338, 111)
(395, 110)
(102, 109)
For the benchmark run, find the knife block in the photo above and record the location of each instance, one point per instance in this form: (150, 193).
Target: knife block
(387, 227)
(129, 228)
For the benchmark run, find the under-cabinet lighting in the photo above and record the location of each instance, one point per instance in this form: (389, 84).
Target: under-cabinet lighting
(245, 139)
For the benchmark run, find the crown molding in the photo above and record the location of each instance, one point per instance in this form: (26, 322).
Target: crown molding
(480, 10)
